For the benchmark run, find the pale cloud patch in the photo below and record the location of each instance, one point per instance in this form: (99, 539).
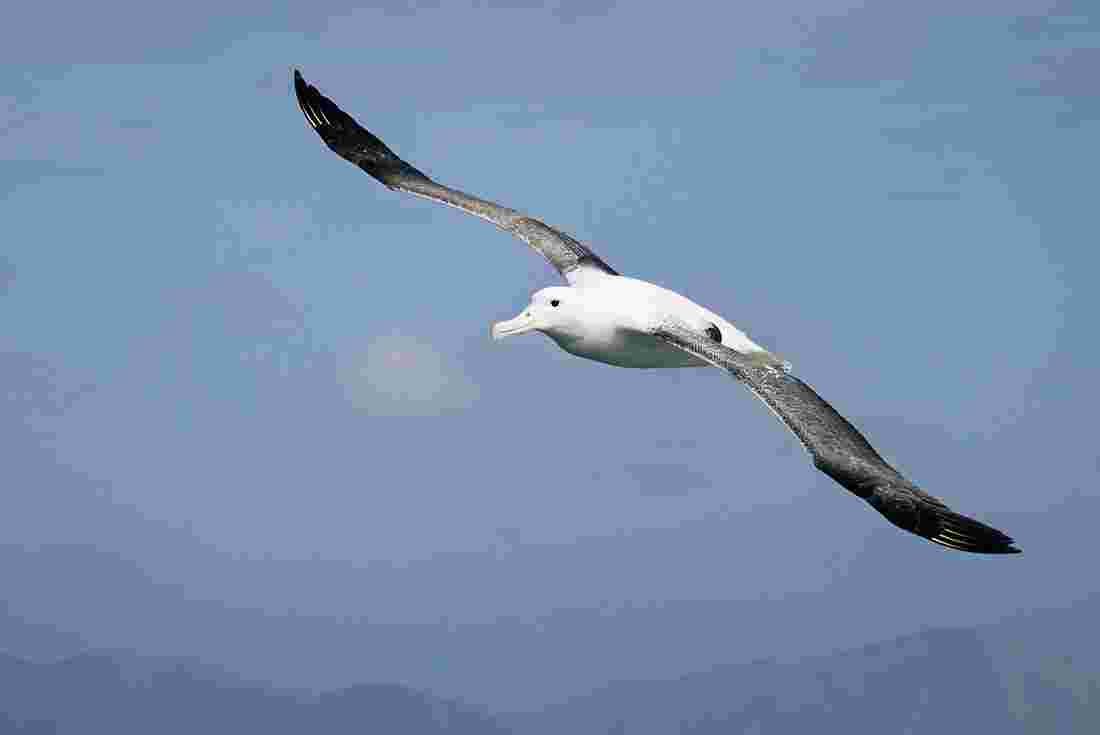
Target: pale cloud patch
(401, 375)
(7, 274)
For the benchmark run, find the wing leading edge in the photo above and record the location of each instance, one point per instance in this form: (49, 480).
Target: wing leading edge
(354, 143)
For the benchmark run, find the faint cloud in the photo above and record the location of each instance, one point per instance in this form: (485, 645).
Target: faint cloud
(401, 375)
(678, 443)
(928, 49)
(923, 196)
(926, 136)
(135, 124)
(38, 169)
(571, 11)
(955, 174)
(267, 81)
(32, 386)
(566, 11)
(7, 274)
(15, 174)
(771, 57)
(15, 120)
(406, 8)
(19, 92)
(506, 540)
(864, 47)
(665, 480)
(1068, 75)
(1066, 21)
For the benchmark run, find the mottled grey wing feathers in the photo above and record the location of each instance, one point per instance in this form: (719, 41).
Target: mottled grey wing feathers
(354, 143)
(841, 452)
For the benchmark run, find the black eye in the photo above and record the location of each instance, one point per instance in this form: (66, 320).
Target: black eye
(554, 302)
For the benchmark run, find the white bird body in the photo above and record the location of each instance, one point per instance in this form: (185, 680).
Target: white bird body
(611, 319)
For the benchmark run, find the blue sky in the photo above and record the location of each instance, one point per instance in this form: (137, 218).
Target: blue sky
(222, 346)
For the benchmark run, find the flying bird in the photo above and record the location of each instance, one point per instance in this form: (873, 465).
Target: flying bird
(604, 316)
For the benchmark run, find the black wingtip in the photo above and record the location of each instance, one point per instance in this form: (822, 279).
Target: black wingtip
(348, 139)
(307, 102)
(911, 509)
(299, 83)
(966, 534)
(323, 115)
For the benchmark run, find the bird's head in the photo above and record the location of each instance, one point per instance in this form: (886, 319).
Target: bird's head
(554, 311)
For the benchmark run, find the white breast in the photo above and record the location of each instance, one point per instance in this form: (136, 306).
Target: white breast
(630, 349)
(621, 311)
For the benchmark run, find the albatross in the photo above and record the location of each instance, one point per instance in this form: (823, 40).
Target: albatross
(602, 315)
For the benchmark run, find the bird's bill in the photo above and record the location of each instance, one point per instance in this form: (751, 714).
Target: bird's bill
(522, 324)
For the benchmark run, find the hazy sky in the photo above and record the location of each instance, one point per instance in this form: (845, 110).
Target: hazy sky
(230, 359)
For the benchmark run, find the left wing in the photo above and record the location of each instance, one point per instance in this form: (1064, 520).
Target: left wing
(354, 143)
(840, 451)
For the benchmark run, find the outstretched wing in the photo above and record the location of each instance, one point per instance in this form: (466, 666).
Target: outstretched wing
(841, 452)
(354, 143)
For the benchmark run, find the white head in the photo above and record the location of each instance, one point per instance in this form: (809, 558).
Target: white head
(554, 311)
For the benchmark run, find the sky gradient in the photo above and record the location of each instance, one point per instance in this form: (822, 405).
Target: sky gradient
(235, 367)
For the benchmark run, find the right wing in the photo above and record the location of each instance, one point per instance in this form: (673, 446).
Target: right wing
(354, 143)
(840, 451)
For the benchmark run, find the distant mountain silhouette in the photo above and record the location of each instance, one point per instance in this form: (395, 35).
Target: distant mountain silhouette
(937, 681)
(939, 676)
(322, 624)
(120, 694)
(35, 640)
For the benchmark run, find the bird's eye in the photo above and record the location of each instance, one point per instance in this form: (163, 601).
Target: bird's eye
(554, 302)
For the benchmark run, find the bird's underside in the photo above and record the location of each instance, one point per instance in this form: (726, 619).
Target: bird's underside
(837, 448)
